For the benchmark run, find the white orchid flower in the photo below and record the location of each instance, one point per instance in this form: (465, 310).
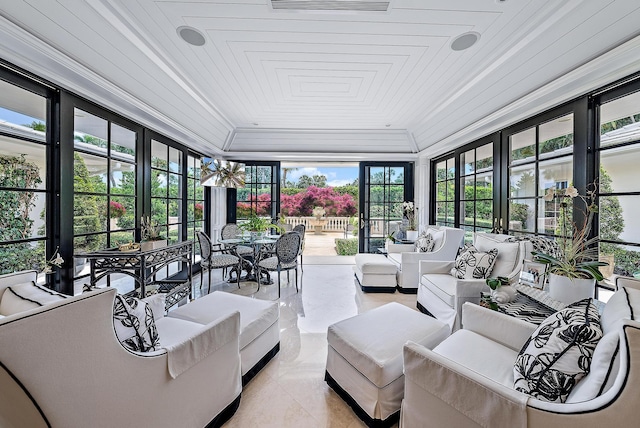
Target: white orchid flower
(548, 196)
(571, 191)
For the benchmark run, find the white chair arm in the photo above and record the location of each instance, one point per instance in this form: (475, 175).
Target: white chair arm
(193, 348)
(470, 287)
(484, 401)
(435, 266)
(504, 329)
(401, 248)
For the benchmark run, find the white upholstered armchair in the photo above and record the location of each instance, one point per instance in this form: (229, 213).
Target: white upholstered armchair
(442, 294)
(467, 381)
(447, 242)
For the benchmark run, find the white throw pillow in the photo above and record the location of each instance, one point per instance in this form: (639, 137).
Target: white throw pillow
(473, 264)
(558, 354)
(602, 363)
(624, 304)
(508, 253)
(28, 295)
(134, 324)
(438, 238)
(425, 243)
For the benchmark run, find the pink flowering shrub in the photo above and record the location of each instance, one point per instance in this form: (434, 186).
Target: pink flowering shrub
(302, 204)
(117, 209)
(263, 202)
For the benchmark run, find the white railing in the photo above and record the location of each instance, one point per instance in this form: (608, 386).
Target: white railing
(333, 224)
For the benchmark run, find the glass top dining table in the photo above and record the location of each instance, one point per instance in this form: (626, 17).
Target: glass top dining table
(251, 266)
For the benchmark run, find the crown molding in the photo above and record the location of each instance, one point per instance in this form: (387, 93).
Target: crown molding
(30, 53)
(613, 65)
(319, 156)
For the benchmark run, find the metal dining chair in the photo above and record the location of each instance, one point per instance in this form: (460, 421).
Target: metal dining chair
(300, 229)
(286, 258)
(231, 231)
(214, 256)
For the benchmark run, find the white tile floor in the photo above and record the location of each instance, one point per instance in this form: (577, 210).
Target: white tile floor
(290, 391)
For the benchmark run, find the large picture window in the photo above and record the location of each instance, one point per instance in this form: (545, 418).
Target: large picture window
(260, 194)
(445, 201)
(23, 179)
(539, 158)
(619, 188)
(104, 185)
(476, 189)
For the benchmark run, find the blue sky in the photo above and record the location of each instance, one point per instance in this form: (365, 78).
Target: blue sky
(16, 118)
(336, 176)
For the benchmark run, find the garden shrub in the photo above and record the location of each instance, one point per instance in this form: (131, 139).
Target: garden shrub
(346, 247)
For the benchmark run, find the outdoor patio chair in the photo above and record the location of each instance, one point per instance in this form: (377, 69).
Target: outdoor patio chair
(286, 258)
(216, 257)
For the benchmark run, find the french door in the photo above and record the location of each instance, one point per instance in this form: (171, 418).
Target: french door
(384, 186)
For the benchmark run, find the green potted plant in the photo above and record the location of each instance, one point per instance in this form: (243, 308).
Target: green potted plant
(573, 272)
(258, 226)
(150, 234)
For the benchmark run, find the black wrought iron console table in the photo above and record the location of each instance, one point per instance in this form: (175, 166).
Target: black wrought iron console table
(143, 267)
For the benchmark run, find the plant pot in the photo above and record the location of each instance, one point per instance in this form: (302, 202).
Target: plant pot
(412, 235)
(152, 245)
(568, 290)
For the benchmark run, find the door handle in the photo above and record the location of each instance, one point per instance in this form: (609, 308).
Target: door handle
(361, 220)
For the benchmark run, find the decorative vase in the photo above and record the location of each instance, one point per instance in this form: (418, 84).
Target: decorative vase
(568, 290)
(504, 294)
(412, 235)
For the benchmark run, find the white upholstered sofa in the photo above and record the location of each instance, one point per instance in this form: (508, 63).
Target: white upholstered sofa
(467, 380)
(61, 365)
(447, 242)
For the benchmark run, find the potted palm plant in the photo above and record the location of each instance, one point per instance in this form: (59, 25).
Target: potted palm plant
(573, 272)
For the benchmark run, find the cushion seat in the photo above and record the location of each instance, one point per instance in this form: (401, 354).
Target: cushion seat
(375, 264)
(259, 326)
(490, 359)
(375, 273)
(364, 362)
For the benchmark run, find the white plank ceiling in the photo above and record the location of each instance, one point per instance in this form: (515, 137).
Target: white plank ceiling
(270, 82)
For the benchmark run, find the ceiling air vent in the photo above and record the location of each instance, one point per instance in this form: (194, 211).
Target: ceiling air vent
(339, 5)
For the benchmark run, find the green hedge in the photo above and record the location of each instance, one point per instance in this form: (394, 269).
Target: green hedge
(346, 247)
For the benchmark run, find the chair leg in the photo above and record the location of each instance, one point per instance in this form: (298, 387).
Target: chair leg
(258, 272)
(296, 279)
(201, 271)
(301, 264)
(209, 276)
(278, 282)
(238, 275)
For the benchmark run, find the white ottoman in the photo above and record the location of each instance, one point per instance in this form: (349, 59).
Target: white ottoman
(364, 360)
(375, 273)
(259, 327)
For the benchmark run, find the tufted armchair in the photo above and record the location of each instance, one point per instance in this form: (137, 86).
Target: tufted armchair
(442, 294)
(406, 258)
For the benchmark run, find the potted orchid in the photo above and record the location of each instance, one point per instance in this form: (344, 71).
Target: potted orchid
(573, 271)
(409, 213)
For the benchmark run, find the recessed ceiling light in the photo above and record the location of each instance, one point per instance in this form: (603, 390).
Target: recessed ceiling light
(255, 123)
(465, 41)
(388, 125)
(191, 35)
